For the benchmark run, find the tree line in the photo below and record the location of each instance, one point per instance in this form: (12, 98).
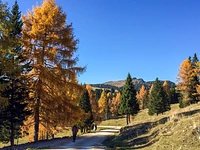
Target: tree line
(39, 90)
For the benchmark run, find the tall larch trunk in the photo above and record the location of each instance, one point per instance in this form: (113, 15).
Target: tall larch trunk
(36, 117)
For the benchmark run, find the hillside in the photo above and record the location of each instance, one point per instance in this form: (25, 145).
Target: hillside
(136, 82)
(176, 129)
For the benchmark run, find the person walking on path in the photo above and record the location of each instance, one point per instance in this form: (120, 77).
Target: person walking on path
(74, 132)
(94, 127)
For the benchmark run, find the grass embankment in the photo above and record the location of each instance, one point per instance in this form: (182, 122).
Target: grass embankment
(23, 140)
(163, 132)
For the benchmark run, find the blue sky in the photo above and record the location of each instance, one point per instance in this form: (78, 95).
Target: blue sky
(147, 38)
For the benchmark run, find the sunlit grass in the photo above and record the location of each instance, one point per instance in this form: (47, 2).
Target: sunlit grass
(143, 116)
(113, 122)
(23, 140)
(180, 134)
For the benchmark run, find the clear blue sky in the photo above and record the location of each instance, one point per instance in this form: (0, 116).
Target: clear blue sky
(147, 38)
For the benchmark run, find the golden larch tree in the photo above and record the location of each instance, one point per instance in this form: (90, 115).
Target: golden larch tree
(166, 88)
(102, 104)
(142, 97)
(185, 77)
(115, 104)
(93, 101)
(50, 45)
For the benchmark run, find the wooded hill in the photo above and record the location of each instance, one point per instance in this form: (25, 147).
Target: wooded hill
(116, 85)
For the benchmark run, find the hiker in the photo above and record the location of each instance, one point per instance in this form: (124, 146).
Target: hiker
(74, 132)
(94, 127)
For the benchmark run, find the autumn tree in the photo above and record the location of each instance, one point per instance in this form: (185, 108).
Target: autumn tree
(110, 96)
(166, 87)
(50, 45)
(185, 82)
(159, 102)
(102, 105)
(128, 103)
(93, 101)
(15, 89)
(142, 97)
(4, 14)
(115, 104)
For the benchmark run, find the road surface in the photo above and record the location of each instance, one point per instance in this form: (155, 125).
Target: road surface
(90, 141)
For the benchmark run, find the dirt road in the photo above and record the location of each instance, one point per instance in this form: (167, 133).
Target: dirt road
(90, 141)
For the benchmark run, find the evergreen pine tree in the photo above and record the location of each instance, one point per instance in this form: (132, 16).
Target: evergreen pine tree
(159, 102)
(128, 103)
(173, 95)
(15, 91)
(195, 80)
(86, 106)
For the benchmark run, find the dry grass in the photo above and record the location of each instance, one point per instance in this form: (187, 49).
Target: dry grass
(23, 140)
(144, 117)
(113, 122)
(182, 134)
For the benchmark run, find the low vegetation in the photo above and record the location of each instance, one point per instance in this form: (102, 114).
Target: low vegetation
(176, 129)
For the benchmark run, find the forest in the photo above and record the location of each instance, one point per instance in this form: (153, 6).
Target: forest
(39, 89)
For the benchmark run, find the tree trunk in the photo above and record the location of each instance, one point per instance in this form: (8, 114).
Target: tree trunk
(12, 134)
(11, 122)
(36, 128)
(47, 135)
(52, 135)
(127, 119)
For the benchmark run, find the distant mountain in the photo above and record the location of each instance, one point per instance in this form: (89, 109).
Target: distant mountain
(136, 82)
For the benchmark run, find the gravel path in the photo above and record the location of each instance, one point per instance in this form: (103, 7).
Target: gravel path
(90, 141)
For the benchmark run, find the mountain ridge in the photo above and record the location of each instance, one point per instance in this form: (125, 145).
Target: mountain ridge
(117, 85)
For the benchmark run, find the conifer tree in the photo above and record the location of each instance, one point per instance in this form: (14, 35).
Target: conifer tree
(128, 103)
(185, 82)
(93, 101)
(4, 14)
(195, 80)
(173, 96)
(103, 104)
(15, 90)
(4, 23)
(86, 106)
(198, 75)
(166, 87)
(115, 104)
(158, 99)
(142, 97)
(50, 45)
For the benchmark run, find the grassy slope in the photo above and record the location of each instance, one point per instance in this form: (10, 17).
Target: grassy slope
(178, 133)
(168, 134)
(24, 140)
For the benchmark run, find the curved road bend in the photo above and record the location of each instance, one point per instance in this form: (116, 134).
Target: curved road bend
(90, 141)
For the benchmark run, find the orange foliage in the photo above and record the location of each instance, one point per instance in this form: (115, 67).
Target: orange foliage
(166, 88)
(185, 77)
(93, 101)
(115, 104)
(141, 96)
